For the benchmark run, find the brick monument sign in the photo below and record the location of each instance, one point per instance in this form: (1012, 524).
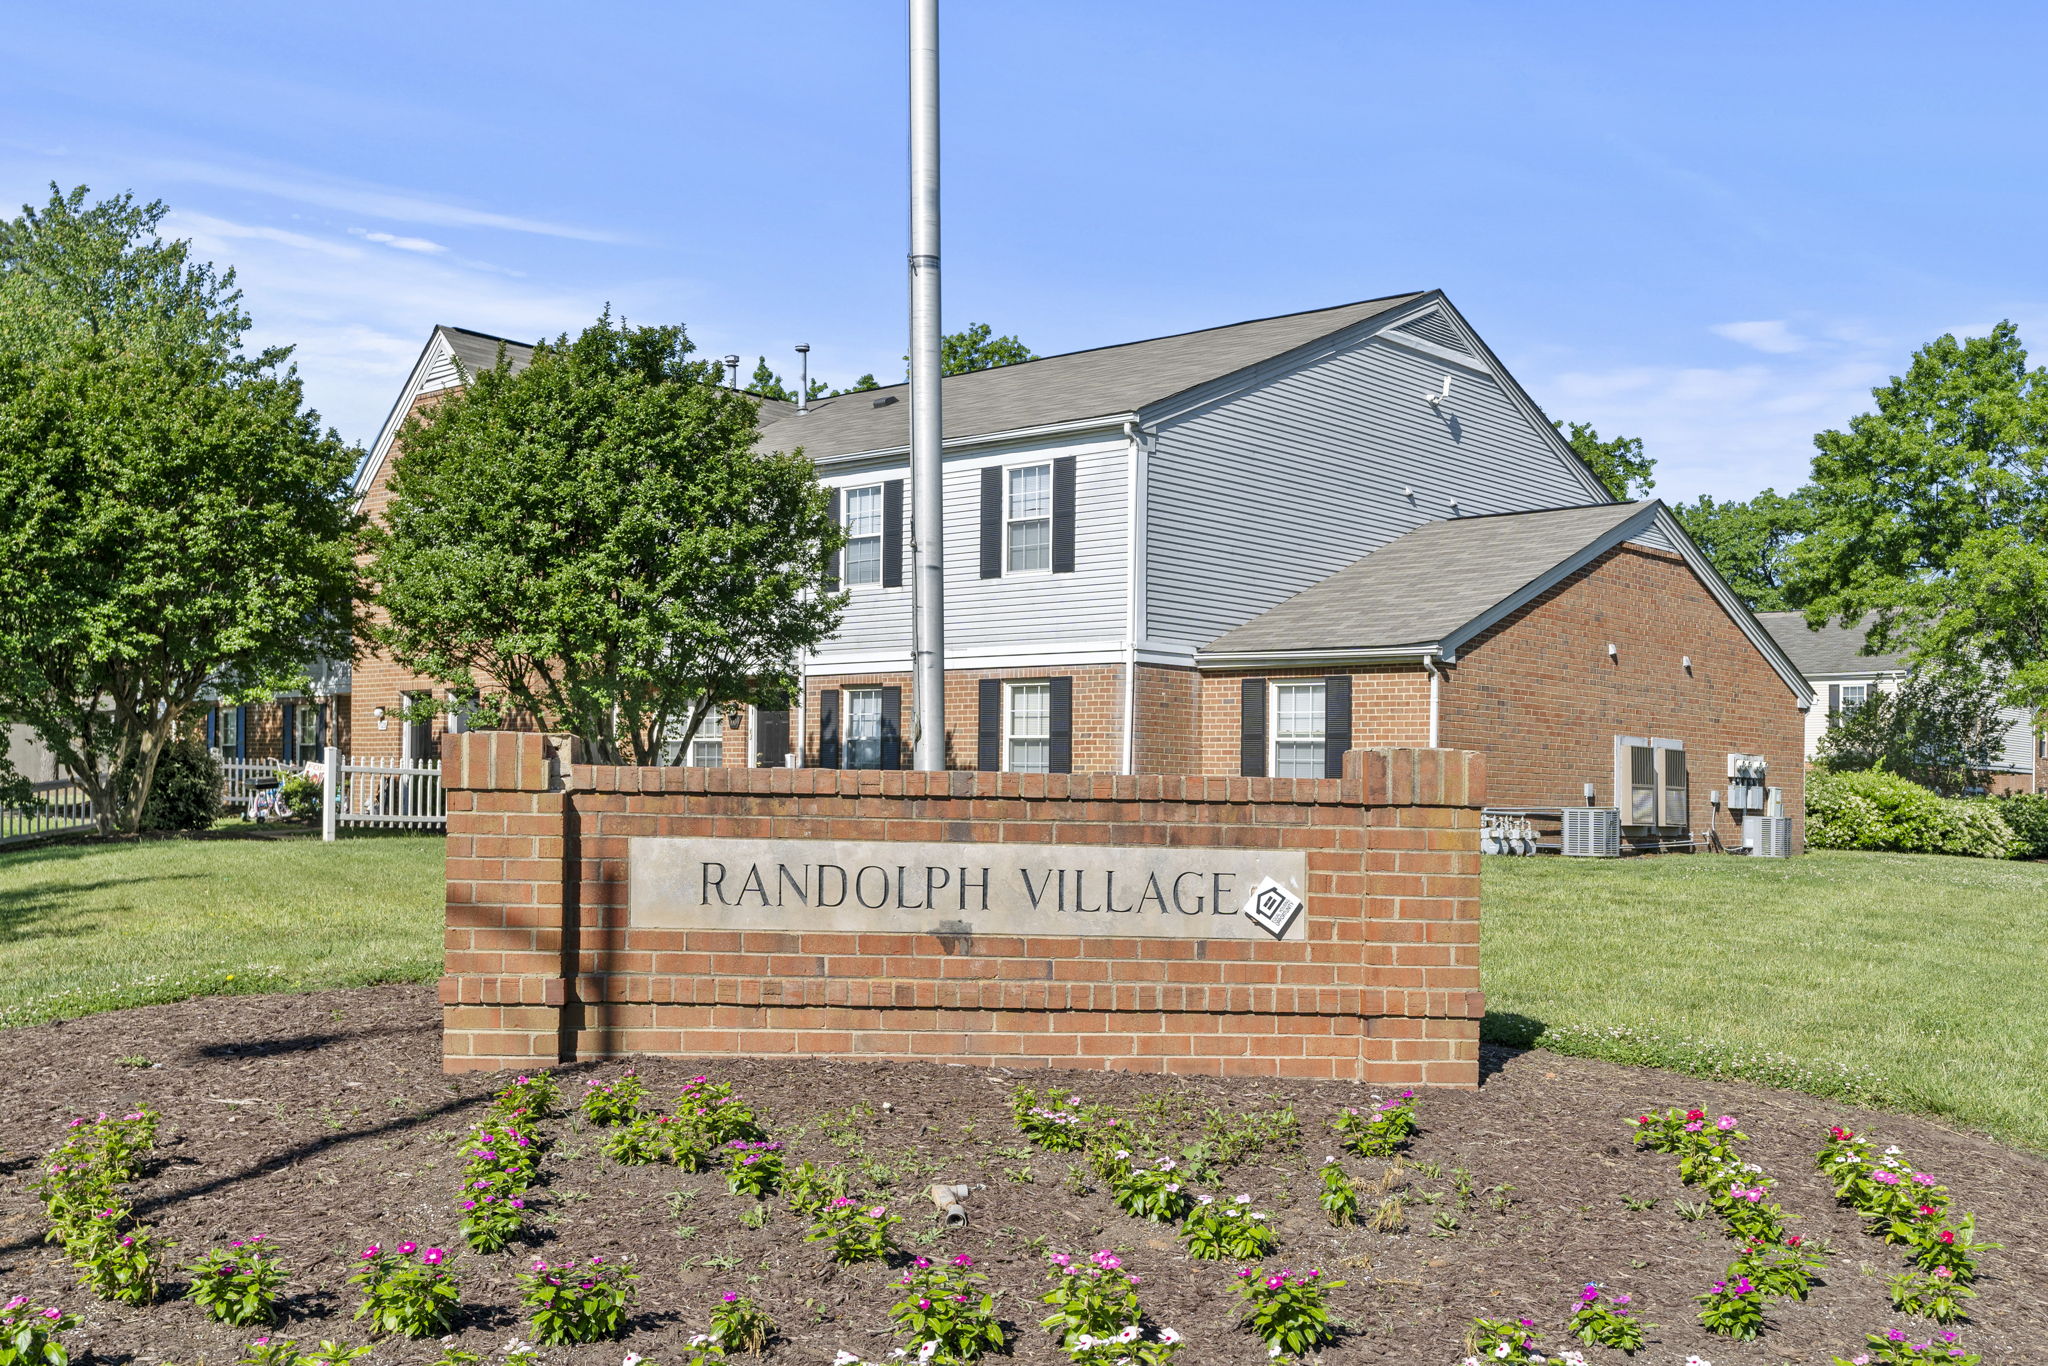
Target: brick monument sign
(1324, 928)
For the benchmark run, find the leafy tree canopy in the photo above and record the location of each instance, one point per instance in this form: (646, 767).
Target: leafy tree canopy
(171, 516)
(595, 543)
(1750, 543)
(975, 348)
(1932, 513)
(1941, 730)
(1619, 463)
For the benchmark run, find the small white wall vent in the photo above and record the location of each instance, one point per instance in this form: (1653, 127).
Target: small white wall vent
(1592, 832)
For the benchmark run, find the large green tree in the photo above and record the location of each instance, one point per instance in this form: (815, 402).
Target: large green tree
(1941, 730)
(171, 516)
(594, 542)
(975, 347)
(1618, 462)
(1750, 542)
(1931, 514)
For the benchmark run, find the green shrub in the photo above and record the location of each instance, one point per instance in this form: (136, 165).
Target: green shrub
(186, 792)
(301, 796)
(2026, 813)
(1877, 810)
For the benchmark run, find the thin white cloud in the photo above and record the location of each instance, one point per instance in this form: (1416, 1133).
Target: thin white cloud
(1774, 337)
(419, 244)
(367, 201)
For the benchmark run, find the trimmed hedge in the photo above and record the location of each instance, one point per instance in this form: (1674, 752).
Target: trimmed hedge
(2027, 814)
(1873, 810)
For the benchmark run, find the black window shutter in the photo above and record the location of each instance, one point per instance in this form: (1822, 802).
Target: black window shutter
(242, 731)
(892, 534)
(320, 729)
(213, 728)
(1336, 723)
(1062, 728)
(892, 728)
(988, 749)
(771, 737)
(828, 728)
(1252, 728)
(1063, 515)
(832, 572)
(1834, 702)
(291, 732)
(992, 522)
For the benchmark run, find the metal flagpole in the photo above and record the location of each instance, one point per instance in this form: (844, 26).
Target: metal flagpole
(928, 573)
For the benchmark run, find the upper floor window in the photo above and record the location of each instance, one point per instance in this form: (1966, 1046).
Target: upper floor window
(863, 724)
(1299, 717)
(864, 536)
(1854, 695)
(1027, 519)
(1027, 727)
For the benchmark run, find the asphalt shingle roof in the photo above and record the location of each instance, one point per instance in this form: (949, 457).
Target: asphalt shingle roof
(1420, 588)
(1079, 384)
(479, 350)
(1830, 650)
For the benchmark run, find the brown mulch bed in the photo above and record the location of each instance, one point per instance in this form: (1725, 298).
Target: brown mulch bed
(324, 1122)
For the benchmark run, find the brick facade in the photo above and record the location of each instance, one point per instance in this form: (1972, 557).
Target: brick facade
(542, 965)
(1098, 711)
(1539, 695)
(264, 724)
(1389, 706)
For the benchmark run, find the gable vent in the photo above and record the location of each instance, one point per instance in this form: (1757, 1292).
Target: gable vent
(1434, 327)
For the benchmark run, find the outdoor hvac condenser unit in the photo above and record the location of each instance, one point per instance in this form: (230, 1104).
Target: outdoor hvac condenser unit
(1592, 832)
(1767, 836)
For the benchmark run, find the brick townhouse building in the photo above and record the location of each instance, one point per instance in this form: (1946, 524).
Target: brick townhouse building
(1240, 551)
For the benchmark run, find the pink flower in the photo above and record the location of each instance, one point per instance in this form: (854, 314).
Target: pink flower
(434, 1256)
(407, 1249)
(17, 1302)
(1725, 1123)
(372, 1252)
(53, 1313)
(730, 1298)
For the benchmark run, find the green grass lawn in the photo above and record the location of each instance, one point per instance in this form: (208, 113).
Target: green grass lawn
(86, 927)
(1902, 980)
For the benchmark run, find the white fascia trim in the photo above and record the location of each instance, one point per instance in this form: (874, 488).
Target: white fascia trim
(1556, 574)
(1425, 347)
(1017, 657)
(1883, 676)
(1110, 421)
(395, 419)
(1211, 392)
(1295, 659)
(1759, 635)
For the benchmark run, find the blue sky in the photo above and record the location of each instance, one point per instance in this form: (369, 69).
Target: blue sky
(1711, 226)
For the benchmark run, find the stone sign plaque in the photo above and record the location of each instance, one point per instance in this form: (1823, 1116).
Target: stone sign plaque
(938, 888)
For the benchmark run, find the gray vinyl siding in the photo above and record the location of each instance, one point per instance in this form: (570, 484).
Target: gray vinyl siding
(2019, 741)
(1268, 491)
(1087, 605)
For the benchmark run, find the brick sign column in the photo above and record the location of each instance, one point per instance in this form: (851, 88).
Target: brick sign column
(1324, 928)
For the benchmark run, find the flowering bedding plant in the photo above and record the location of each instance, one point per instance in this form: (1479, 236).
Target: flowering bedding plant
(1380, 1131)
(808, 1189)
(753, 1167)
(529, 1098)
(1339, 1197)
(740, 1325)
(491, 1220)
(640, 1140)
(1894, 1348)
(288, 1352)
(1287, 1310)
(117, 1259)
(1782, 1269)
(1154, 1193)
(1513, 1341)
(613, 1102)
(407, 1290)
(1950, 1247)
(1094, 1299)
(1902, 1205)
(1214, 1232)
(1931, 1295)
(948, 1305)
(706, 1117)
(571, 1302)
(1733, 1308)
(854, 1232)
(1601, 1318)
(1054, 1121)
(33, 1336)
(501, 1153)
(239, 1285)
(1128, 1346)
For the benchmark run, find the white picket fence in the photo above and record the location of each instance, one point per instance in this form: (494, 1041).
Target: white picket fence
(241, 779)
(382, 792)
(65, 807)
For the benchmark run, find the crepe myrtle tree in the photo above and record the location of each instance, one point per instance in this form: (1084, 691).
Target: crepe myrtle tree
(595, 543)
(171, 516)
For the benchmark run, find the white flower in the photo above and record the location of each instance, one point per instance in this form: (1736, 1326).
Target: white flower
(634, 1358)
(1244, 1200)
(1257, 1215)
(1166, 1164)
(1572, 1357)
(1169, 1336)
(846, 1359)
(1205, 1199)
(1469, 1361)
(1123, 1152)
(1173, 1187)
(1274, 1350)
(1083, 1342)
(1501, 1351)
(1697, 1361)
(1129, 1334)
(928, 1351)
(1328, 1160)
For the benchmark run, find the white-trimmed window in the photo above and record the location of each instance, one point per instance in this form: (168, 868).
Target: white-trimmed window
(1854, 695)
(863, 726)
(1027, 519)
(1298, 729)
(863, 554)
(307, 738)
(1027, 727)
(227, 731)
(707, 746)
(1652, 784)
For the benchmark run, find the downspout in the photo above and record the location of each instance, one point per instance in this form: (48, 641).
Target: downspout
(1436, 682)
(1133, 522)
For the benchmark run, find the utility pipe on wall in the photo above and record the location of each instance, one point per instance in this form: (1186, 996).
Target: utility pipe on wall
(927, 514)
(1436, 681)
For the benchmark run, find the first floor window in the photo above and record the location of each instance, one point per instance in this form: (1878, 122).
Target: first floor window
(1027, 728)
(1028, 519)
(707, 746)
(1298, 734)
(864, 536)
(863, 725)
(227, 731)
(309, 731)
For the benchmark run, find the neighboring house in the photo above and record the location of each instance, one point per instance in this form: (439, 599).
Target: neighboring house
(1244, 550)
(1844, 677)
(293, 727)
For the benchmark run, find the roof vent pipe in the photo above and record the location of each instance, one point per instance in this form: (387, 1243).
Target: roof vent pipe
(803, 378)
(732, 372)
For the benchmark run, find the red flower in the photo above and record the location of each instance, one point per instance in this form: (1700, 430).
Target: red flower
(1695, 1114)
(1947, 1237)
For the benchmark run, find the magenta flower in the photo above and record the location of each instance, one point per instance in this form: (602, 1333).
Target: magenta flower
(407, 1249)
(730, 1298)
(434, 1256)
